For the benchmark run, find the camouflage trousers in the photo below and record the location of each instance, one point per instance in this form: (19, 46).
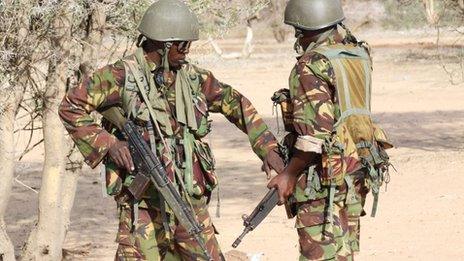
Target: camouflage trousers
(355, 207)
(322, 237)
(147, 239)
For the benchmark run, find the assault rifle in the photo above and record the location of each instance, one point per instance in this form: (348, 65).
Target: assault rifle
(259, 214)
(150, 170)
(264, 207)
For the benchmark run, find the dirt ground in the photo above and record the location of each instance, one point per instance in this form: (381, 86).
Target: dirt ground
(419, 217)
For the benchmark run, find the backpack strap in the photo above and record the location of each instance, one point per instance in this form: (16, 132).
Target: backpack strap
(335, 54)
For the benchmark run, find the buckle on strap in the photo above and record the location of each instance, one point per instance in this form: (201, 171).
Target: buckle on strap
(351, 193)
(313, 183)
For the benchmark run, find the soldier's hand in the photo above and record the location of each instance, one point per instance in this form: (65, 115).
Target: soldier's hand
(272, 161)
(285, 184)
(120, 154)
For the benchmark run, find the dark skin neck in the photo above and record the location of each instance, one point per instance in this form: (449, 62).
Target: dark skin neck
(312, 36)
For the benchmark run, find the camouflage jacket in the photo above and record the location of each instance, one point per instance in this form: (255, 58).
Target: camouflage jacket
(105, 89)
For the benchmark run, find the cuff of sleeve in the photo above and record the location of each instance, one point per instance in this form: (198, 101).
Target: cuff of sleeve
(272, 146)
(97, 155)
(265, 146)
(309, 144)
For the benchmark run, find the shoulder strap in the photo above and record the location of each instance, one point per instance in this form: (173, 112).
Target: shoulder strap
(336, 55)
(154, 115)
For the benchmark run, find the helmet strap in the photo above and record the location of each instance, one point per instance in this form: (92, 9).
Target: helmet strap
(165, 56)
(297, 46)
(349, 37)
(140, 39)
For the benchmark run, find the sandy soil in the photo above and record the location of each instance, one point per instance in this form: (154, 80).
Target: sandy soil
(419, 217)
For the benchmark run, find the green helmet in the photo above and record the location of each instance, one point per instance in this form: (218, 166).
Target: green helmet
(313, 14)
(169, 20)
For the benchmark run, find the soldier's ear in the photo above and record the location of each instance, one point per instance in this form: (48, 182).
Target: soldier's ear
(150, 45)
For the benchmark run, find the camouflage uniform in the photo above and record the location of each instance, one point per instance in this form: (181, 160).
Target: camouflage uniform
(147, 238)
(328, 112)
(355, 207)
(323, 226)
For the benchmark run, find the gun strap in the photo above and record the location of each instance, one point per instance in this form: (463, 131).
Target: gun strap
(164, 217)
(275, 111)
(218, 203)
(187, 165)
(103, 181)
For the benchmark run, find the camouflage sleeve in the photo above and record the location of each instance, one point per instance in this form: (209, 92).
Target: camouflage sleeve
(222, 98)
(312, 92)
(94, 93)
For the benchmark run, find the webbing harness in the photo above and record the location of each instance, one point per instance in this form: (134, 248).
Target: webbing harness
(160, 116)
(347, 108)
(345, 88)
(164, 218)
(157, 116)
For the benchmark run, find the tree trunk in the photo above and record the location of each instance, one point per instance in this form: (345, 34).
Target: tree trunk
(75, 160)
(9, 107)
(247, 48)
(69, 188)
(45, 242)
(277, 17)
(93, 40)
(432, 16)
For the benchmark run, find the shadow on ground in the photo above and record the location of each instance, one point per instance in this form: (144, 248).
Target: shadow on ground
(429, 131)
(94, 221)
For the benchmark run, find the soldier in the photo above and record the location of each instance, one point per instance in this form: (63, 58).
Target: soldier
(157, 87)
(335, 154)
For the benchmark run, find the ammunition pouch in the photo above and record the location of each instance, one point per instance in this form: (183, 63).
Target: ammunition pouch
(207, 162)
